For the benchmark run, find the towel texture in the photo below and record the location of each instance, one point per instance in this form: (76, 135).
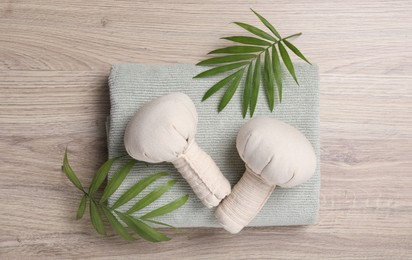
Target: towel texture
(131, 85)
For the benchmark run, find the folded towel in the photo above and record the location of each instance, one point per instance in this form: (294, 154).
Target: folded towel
(131, 85)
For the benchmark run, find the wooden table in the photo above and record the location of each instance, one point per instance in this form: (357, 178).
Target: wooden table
(55, 57)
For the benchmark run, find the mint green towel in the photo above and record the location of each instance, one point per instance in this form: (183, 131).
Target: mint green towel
(131, 85)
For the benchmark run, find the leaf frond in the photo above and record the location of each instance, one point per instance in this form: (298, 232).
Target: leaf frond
(172, 206)
(247, 90)
(255, 87)
(226, 59)
(151, 197)
(159, 223)
(277, 72)
(287, 61)
(101, 175)
(96, 219)
(221, 69)
(231, 90)
(67, 169)
(248, 40)
(82, 207)
(117, 226)
(117, 179)
(136, 224)
(295, 50)
(142, 229)
(137, 188)
(256, 31)
(269, 80)
(238, 49)
(218, 86)
(261, 42)
(267, 24)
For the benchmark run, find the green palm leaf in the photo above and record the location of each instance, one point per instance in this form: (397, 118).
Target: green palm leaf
(100, 176)
(269, 80)
(231, 90)
(82, 207)
(166, 208)
(70, 173)
(248, 89)
(137, 225)
(288, 63)
(267, 24)
(221, 69)
(137, 188)
(256, 44)
(117, 226)
(248, 40)
(238, 49)
(278, 72)
(117, 180)
(96, 219)
(295, 50)
(152, 196)
(142, 229)
(256, 31)
(255, 88)
(226, 59)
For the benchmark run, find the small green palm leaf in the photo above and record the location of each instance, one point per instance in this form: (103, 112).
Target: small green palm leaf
(231, 90)
(218, 86)
(221, 69)
(117, 179)
(152, 196)
(142, 229)
(137, 188)
(226, 59)
(255, 87)
(70, 173)
(269, 80)
(135, 224)
(278, 72)
(237, 49)
(117, 226)
(166, 208)
(288, 63)
(248, 40)
(256, 31)
(248, 89)
(82, 207)
(260, 42)
(267, 24)
(295, 50)
(96, 219)
(101, 175)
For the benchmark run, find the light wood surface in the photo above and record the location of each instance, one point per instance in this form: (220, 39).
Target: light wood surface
(55, 56)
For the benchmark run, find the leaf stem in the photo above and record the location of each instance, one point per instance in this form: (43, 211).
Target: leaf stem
(293, 35)
(276, 42)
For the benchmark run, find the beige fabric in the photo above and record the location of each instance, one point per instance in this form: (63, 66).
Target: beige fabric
(163, 130)
(275, 153)
(248, 196)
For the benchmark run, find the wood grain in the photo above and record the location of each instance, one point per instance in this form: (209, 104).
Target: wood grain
(55, 57)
